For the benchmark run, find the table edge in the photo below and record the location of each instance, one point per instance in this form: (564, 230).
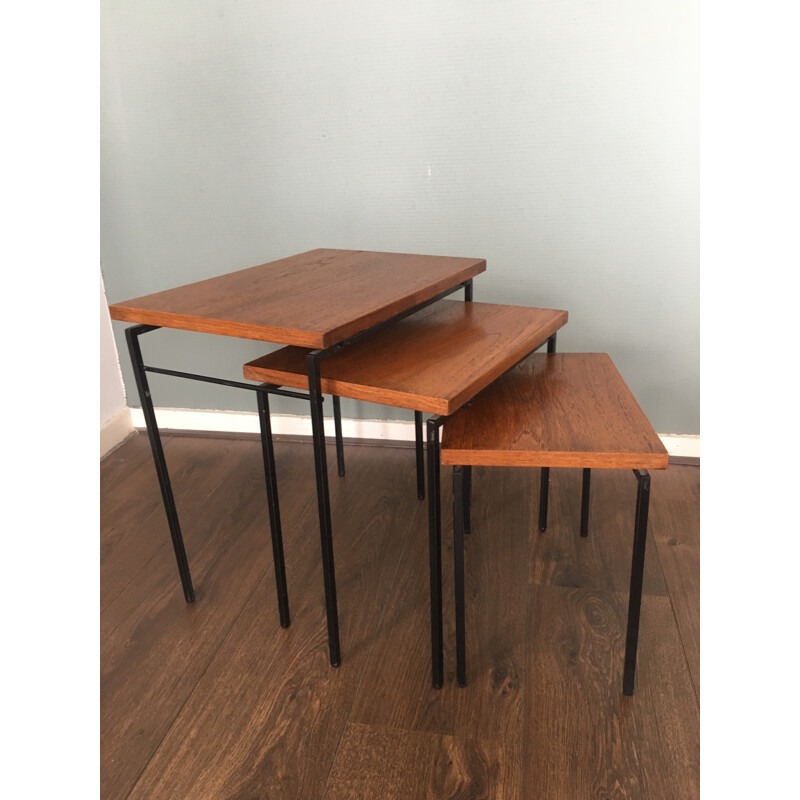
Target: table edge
(554, 458)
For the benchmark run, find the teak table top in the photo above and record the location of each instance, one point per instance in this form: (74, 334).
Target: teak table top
(555, 410)
(434, 360)
(314, 299)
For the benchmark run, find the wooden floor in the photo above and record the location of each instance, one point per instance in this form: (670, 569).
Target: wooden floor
(215, 700)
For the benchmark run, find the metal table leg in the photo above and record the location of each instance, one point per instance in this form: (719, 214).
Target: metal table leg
(637, 577)
(467, 498)
(585, 497)
(544, 485)
(420, 448)
(337, 426)
(132, 335)
(459, 507)
(544, 488)
(274, 509)
(435, 552)
(323, 504)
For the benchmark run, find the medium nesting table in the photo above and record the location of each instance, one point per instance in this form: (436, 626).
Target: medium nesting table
(323, 299)
(433, 361)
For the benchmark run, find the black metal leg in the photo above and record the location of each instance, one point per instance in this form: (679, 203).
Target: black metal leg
(543, 492)
(274, 508)
(324, 507)
(544, 489)
(587, 477)
(458, 555)
(420, 455)
(468, 291)
(637, 575)
(132, 335)
(467, 497)
(337, 426)
(435, 554)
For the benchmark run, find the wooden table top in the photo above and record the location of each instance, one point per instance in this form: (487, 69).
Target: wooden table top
(434, 360)
(314, 299)
(555, 410)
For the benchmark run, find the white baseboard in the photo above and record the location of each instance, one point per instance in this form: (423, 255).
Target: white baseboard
(117, 429)
(681, 445)
(185, 419)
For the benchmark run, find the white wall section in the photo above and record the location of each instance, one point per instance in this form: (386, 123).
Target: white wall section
(115, 417)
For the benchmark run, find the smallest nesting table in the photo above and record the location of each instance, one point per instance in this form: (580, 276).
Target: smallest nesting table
(554, 410)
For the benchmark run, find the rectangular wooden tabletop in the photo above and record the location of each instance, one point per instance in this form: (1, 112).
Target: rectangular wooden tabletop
(555, 410)
(314, 299)
(434, 360)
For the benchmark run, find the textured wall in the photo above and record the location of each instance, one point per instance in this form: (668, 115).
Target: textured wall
(556, 139)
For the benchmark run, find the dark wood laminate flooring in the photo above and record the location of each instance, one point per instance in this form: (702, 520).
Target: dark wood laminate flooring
(215, 700)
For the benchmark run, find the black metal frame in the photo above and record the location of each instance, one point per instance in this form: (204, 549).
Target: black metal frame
(465, 510)
(435, 549)
(585, 496)
(274, 508)
(140, 373)
(637, 578)
(337, 426)
(461, 503)
(419, 447)
(544, 491)
(544, 477)
(262, 391)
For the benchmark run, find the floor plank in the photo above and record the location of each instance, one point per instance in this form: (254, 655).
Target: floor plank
(155, 646)
(397, 691)
(676, 531)
(380, 763)
(133, 520)
(267, 717)
(583, 737)
(122, 463)
(214, 699)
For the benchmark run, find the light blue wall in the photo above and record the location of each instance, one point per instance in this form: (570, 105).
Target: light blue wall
(556, 139)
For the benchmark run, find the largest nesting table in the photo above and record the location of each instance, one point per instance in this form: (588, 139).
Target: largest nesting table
(324, 300)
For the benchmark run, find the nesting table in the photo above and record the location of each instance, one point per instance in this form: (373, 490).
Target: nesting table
(555, 410)
(376, 327)
(434, 361)
(325, 300)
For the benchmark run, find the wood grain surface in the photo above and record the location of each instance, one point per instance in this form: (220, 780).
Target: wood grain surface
(583, 737)
(555, 410)
(676, 533)
(379, 763)
(270, 711)
(313, 299)
(134, 521)
(434, 360)
(216, 700)
(154, 645)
